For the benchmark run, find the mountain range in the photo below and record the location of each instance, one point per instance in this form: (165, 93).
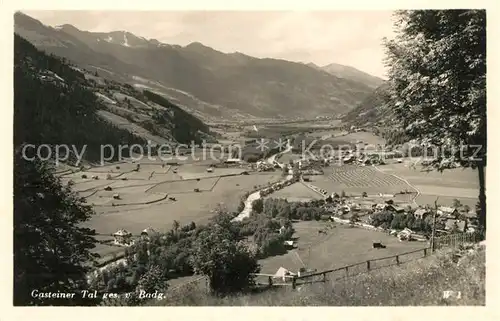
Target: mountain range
(348, 72)
(205, 82)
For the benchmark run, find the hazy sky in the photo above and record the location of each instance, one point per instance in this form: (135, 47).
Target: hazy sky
(322, 37)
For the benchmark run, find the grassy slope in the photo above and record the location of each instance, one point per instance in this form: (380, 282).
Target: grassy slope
(371, 110)
(419, 282)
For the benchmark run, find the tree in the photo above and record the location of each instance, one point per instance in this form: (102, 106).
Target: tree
(354, 218)
(365, 194)
(175, 225)
(51, 249)
(228, 264)
(153, 280)
(456, 203)
(437, 77)
(382, 219)
(64, 114)
(258, 205)
(241, 206)
(398, 222)
(343, 195)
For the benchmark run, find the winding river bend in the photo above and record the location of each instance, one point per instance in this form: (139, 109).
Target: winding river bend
(256, 195)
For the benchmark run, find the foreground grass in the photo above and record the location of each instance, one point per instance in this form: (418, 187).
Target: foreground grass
(421, 282)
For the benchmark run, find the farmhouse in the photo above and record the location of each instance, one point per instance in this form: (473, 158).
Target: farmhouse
(405, 235)
(394, 208)
(421, 213)
(455, 225)
(122, 237)
(379, 207)
(283, 273)
(445, 211)
(232, 161)
(288, 244)
(148, 232)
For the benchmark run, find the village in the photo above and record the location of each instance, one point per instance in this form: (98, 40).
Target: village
(378, 212)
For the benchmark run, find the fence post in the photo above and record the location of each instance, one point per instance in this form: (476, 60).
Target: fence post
(433, 235)
(324, 277)
(294, 282)
(346, 271)
(368, 265)
(397, 259)
(270, 281)
(207, 281)
(425, 252)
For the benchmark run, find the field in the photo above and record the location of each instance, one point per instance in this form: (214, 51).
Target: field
(296, 192)
(157, 194)
(353, 138)
(326, 134)
(356, 180)
(185, 186)
(340, 246)
(154, 197)
(461, 184)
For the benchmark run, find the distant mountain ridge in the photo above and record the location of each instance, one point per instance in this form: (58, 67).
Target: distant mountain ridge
(349, 72)
(200, 79)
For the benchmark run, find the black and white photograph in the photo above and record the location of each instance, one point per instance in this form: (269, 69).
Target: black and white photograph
(243, 158)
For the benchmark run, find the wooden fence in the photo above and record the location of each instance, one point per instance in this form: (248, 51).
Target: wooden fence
(454, 240)
(451, 241)
(269, 280)
(362, 267)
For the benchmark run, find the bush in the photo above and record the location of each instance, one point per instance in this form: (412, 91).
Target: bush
(258, 206)
(382, 219)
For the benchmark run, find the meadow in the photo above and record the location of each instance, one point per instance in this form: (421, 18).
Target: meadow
(338, 246)
(296, 192)
(147, 201)
(451, 184)
(355, 180)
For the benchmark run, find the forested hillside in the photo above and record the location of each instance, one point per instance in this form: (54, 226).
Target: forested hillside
(372, 110)
(186, 127)
(52, 105)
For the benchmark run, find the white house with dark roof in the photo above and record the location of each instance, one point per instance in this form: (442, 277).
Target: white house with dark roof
(446, 211)
(122, 237)
(148, 232)
(421, 213)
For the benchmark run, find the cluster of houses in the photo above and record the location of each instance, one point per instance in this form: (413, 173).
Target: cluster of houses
(355, 156)
(453, 219)
(123, 237)
(364, 158)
